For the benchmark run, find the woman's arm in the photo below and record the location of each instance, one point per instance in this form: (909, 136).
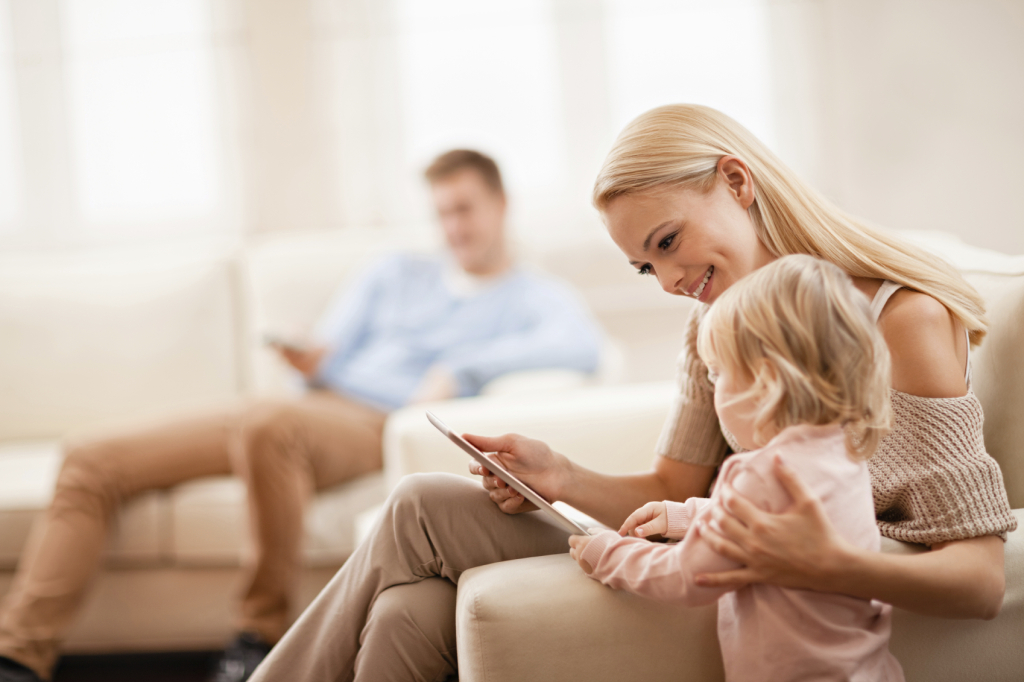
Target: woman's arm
(966, 574)
(608, 498)
(800, 549)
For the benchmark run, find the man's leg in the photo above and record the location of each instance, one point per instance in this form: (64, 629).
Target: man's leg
(283, 451)
(433, 525)
(64, 550)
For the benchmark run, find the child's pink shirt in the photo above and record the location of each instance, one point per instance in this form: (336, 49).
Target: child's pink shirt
(768, 632)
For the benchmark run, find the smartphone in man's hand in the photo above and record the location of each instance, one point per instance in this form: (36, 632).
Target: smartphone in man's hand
(281, 343)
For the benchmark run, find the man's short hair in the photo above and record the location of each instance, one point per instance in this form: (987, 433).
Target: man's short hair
(458, 160)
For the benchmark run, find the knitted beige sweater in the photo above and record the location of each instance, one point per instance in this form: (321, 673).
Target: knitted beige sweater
(931, 477)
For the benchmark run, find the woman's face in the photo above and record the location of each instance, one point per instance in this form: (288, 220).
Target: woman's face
(697, 244)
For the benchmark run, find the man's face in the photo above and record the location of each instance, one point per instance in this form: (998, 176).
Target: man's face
(472, 216)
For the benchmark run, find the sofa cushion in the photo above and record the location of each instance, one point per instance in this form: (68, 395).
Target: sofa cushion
(202, 523)
(89, 338)
(612, 429)
(209, 522)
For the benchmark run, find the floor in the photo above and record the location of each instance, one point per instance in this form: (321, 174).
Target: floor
(167, 667)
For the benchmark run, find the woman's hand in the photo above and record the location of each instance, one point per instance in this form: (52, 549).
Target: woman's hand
(650, 519)
(531, 461)
(578, 545)
(798, 548)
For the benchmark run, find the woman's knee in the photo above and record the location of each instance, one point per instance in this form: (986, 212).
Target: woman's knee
(424, 609)
(430, 490)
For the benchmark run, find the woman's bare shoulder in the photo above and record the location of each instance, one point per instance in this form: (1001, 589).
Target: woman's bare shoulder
(927, 344)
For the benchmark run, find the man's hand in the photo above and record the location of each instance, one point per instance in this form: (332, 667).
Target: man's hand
(305, 361)
(531, 461)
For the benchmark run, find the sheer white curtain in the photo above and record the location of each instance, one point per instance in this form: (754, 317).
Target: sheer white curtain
(140, 85)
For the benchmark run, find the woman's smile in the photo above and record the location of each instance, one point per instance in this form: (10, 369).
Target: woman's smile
(698, 287)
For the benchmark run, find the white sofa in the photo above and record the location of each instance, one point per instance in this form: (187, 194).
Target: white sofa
(91, 340)
(542, 619)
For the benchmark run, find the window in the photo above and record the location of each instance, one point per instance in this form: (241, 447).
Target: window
(141, 105)
(483, 75)
(712, 53)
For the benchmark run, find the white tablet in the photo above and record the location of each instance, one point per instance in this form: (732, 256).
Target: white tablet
(501, 472)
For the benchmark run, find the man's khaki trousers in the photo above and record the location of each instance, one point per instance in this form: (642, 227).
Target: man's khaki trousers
(389, 613)
(282, 450)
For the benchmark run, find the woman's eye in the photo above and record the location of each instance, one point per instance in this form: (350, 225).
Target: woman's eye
(645, 269)
(667, 241)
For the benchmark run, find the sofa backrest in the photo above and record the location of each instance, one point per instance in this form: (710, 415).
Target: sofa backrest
(289, 280)
(91, 338)
(997, 365)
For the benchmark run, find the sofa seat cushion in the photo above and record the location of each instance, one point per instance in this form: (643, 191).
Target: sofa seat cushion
(28, 472)
(209, 521)
(202, 523)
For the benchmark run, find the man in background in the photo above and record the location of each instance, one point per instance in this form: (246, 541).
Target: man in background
(414, 328)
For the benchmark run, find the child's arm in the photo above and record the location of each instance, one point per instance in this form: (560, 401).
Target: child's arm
(666, 572)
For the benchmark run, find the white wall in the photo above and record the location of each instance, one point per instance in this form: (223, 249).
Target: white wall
(909, 113)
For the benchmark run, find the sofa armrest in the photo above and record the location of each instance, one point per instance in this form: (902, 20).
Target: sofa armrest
(542, 618)
(938, 649)
(608, 428)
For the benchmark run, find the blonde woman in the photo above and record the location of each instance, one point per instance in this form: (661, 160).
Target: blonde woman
(697, 202)
(800, 373)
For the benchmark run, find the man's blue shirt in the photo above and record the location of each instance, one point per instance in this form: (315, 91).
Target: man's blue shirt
(404, 316)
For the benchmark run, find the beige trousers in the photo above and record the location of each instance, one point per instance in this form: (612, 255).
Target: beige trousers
(282, 450)
(389, 613)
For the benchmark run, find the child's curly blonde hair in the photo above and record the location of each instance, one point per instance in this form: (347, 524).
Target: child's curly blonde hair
(799, 330)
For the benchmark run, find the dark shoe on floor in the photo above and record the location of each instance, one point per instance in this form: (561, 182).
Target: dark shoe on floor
(240, 658)
(12, 671)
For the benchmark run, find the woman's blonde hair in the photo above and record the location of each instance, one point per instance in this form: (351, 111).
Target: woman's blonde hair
(802, 333)
(680, 145)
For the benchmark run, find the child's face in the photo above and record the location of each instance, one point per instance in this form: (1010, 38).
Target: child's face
(735, 415)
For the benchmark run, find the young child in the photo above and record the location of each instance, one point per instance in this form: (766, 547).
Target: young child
(800, 372)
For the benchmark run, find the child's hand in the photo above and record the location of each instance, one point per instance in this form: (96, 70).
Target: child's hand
(577, 545)
(650, 519)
